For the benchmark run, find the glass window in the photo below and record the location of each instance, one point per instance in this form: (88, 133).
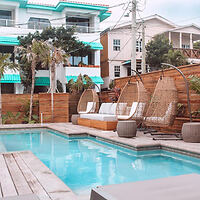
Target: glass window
(116, 45)
(76, 61)
(81, 24)
(5, 18)
(185, 46)
(139, 45)
(38, 23)
(4, 14)
(117, 71)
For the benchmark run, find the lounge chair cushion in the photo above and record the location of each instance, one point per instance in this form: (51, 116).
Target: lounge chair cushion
(121, 108)
(90, 108)
(100, 117)
(131, 113)
(162, 120)
(139, 114)
(113, 109)
(105, 108)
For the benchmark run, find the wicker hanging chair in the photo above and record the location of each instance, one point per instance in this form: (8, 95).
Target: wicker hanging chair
(89, 102)
(163, 105)
(133, 102)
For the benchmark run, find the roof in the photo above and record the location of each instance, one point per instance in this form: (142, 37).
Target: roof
(61, 4)
(128, 23)
(94, 45)
(13, 41)
(95, 79)
(185, 26)
(10, 78)
(42, 81)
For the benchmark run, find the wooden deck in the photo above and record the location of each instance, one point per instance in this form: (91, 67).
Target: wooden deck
(22, 173)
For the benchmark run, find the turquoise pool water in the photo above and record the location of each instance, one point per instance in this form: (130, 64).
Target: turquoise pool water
(83, 163)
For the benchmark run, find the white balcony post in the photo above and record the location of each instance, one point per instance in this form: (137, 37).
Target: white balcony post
(170, 37)
(191, 41)
(180, 40)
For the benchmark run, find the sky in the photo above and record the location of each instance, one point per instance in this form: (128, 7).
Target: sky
(180, 12)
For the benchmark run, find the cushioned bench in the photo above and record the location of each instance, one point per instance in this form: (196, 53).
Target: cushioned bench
(106, 118)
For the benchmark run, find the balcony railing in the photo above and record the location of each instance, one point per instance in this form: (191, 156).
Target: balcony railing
(190, 53)
(7, 22)
(81, 29)
(38, 25)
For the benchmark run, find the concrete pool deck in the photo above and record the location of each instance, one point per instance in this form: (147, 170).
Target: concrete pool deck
(141, 142)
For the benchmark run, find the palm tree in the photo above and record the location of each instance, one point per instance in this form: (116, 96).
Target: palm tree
(58, 56)
(4, 65)
(36, 53)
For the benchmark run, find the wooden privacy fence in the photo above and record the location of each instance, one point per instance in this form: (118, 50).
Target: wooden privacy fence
(18, 104)
(150, 80)
(14, 105)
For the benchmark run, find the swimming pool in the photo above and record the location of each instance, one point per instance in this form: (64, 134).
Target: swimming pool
(85, 162)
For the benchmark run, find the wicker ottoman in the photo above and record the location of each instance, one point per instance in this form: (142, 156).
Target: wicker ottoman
(126, 129)
(74, 119)
(191, 132)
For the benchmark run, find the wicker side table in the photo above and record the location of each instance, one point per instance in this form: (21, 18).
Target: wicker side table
(191, 132)
(74, 119)
(126, 129)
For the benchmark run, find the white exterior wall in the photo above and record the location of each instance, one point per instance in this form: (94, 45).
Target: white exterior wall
(21, 16)
(153, 27)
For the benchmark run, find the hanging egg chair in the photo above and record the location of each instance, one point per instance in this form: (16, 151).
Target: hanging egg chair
(133, 102)
(163, 105)
(89, 102)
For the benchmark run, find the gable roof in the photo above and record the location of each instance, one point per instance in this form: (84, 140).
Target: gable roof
(185, 26)
(156, 16)
(128, 23)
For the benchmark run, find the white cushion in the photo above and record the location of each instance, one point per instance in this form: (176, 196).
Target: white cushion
(105, 108)
(133, 108)
(113, 109)
(91, 106)
(121, 108)
(140, 111)
(100, 117)
(163, 119)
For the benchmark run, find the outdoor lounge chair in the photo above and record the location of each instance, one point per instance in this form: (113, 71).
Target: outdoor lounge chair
(105, 119)
(89, 102)
(133, 102)
(163, 107)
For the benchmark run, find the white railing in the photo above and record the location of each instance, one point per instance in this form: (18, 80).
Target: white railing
(80, 29)
(38, 25)
(7, 23)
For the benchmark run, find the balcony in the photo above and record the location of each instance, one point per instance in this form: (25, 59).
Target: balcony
(38, 25)
(7, 23)
(190, 53)
(80, 29)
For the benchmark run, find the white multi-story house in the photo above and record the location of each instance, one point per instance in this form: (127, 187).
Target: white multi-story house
(116, 55)
(20, 17)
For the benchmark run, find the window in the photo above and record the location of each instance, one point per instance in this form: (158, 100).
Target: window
(139, 45)
(76, 61)
(5, 18)
(7, 88)
(117, 71)
(185, 46)
(81, 24)
(116, 45)
(38, 23)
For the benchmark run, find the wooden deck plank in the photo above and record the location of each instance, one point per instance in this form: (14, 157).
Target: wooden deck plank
(31, 179)
(7, 186)
(50, 182)
(17, 176)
